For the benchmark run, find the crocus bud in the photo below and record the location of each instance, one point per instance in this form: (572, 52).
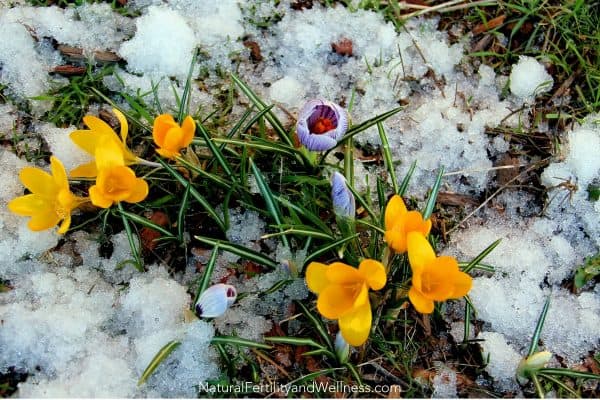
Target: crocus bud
(342, 348)
(532, 364)
(215, 300)
(343, 200)
(321, 123)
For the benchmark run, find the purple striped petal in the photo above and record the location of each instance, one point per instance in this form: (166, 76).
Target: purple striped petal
(320, 110)
(344, 204)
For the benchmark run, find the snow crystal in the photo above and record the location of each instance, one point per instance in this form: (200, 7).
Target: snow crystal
(163, 44)
(152, 302)
(62, 146)
(529, 78)
(531, 256)
(192, 363)
(502, 359)
(23, 70)
(444, 382)
(90, 26)
(116, 268)
(568, 180)
(288, 91)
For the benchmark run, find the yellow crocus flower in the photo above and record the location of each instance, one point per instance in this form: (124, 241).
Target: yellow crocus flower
(170, 137)
(399, 222)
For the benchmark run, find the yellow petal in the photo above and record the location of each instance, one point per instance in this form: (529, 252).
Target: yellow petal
(38, 181)
(420, 252)
(316, 277)
(343, 274)
(123, 123)
(43, 221)
(58, 173)
(173, 139)
(29, 204)
(413, 222)
(189, 129)
(138, 192)
(394, 211)
(356, 325)
(167, 153)
(462, 285)
(98, 126)
(161, 125)
(334, 301)
(64, 227)
(98, 199)
(362, 297)
(86, 140)
(396, 240)
(109, 154)
(88, 170)
(436, 283)
(422, 304)
(374, 273)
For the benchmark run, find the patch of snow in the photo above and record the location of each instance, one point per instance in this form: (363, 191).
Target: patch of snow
(502, 360)
(163, 44)
(444, 382)
(528, 78)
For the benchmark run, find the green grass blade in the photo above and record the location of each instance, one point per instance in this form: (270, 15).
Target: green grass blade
(467, 333)
(277, 286)
(317, 323)
(356, 129)
(301, 230)
(139, 265)
(158, 359)
(184, 105)
(404, 185)
(216, 152)
(295, 341)
(195, 194)
(208, 271)
(538, 328)
(319, 352)
(258, 145)
(354, 372)
(318, 222)
(240, 251)
(362, 202)
(146, 222)
(537, 385)
(329, 247)
(568, 373)
(207, 175)
(273, 120)
(479, 266)
(560, 384)
(256, 118)
(476, 261)
(237, 341)
(181, 214)
(267, 195)
(387, 156)
(433, 195)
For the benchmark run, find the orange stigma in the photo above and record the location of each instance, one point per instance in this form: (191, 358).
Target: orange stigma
(322, 125)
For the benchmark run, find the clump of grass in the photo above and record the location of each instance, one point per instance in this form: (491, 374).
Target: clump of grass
(564, 34)
(71, 102)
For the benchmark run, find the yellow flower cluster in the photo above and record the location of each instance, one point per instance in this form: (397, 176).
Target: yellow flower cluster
(343, 291)
(51, 199)
(433, 278)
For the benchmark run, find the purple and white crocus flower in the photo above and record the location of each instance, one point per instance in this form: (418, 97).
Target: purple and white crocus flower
(321, 123)
(215, 300)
